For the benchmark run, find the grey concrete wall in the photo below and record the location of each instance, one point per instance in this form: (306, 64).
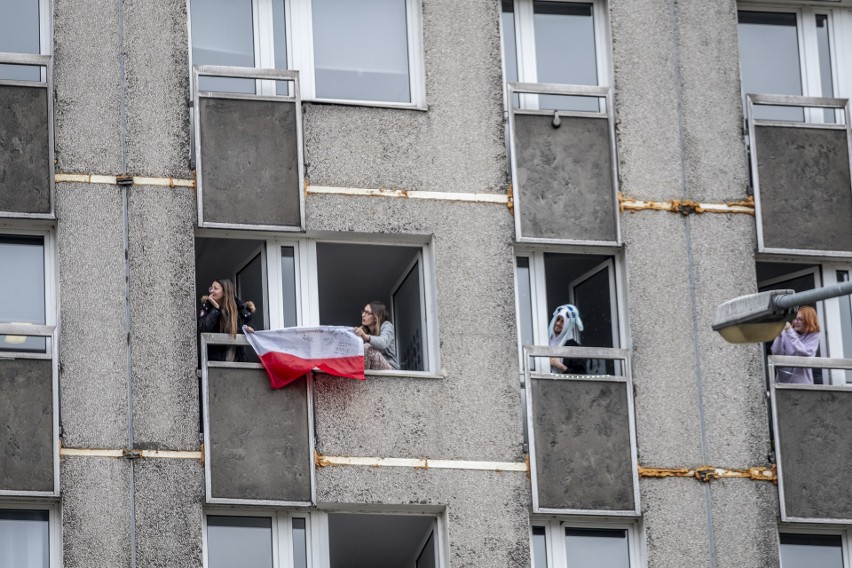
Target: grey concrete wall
(458, 145)
(95, 512)
(93, 345)
(162, 282)
(487, 512)
(169, 499)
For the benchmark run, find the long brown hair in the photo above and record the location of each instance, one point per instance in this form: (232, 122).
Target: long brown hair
(809, 319)
(380, 315)
(229, 320)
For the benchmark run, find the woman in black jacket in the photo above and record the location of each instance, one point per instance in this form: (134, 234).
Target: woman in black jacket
(222, 312)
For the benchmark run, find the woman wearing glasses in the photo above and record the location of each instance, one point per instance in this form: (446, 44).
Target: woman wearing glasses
(801, 339)
(376, 332)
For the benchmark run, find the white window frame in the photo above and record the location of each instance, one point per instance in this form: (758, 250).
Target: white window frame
(51, 278)
(526, 53)
(840, 44)
(555, 538)
(300, 51)
(54, 525)
(307, 285)
(844, 533)
(317, 534)
(538, 295)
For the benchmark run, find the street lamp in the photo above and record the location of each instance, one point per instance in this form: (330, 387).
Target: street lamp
(757, 318)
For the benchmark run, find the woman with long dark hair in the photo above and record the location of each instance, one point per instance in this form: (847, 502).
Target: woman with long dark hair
(377, 333)
(222, 312)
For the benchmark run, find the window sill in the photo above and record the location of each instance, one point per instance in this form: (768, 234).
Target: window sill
(369, 104)
(405, 374)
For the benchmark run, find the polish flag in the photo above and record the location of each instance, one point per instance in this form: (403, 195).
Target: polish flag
(292, 352)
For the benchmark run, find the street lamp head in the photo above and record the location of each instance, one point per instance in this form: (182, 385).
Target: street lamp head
(753, 318)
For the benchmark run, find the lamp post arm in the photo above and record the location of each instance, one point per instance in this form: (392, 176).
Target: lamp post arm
(811, 296)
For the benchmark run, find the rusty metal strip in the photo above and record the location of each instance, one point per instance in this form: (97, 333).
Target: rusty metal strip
(708, 473)
(419, 463)
(130, 454)
(497, 198)
(687, 206)
(122, 180)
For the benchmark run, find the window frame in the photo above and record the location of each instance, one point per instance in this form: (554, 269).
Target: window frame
(54, 525)
(317, 533)
(555, 541)
(307, 290)
(538, 295)
(298, 25)
(525, 50)
(844, 533)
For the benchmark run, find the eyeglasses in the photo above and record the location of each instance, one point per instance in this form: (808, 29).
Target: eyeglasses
(369, 313)
(799, 319)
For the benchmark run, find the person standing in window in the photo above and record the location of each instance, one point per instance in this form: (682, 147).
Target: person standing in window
(222, 312)
(801, 339)
(564, 330)
(377, 333)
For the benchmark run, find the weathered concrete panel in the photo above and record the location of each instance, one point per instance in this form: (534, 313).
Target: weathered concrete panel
(169, 500)
(805, 188)
(26, 425)
(582, 445)
(259, 443)
(163, 327)
(95, 512)
(249, 162)
(744, 523)
(565, 178)
(815, 429)
(24, 150)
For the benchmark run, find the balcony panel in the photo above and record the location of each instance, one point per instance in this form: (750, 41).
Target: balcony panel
(27, 445)
(25, 150)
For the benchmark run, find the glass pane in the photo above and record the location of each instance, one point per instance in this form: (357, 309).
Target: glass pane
(510, 46)
(222, 34)
(19, 33)
(525, 310)
(846, 322)
(539, 547)
(810, 550)
(300, 544)
(22, 289)
(427, 559)
(24, 539)
(565, 51)
(826, 83)
(279, 36)
(361, 50)
(598, 548)
(234, 542)
(769, 61)
(288, 286)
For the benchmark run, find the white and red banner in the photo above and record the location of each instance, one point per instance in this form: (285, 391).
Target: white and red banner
(292, 352)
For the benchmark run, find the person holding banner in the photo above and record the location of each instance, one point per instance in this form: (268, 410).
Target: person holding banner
(222, 312)
(377, 333)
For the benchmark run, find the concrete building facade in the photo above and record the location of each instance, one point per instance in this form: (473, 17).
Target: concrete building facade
(619, 171)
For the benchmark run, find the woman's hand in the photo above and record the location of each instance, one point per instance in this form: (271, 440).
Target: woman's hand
(362, 334)
(249, 329)
(558, 364)
(213, 303)
(787, 325)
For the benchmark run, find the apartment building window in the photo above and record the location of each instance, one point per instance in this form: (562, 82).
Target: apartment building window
(359, 52)
(789, 52)
(559, 544)
(28, 536)
(24, 28)
(811, 549)
(335, 540)
(835, 314)
(25, 287)
(310, 282)
(590, 282)
(555, 42)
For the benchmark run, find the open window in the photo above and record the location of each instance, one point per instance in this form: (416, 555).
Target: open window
(352, 52)
(332, 540)
(547, 280)
(26, 110)
(835, 314)
(309, 282)
(562, 544)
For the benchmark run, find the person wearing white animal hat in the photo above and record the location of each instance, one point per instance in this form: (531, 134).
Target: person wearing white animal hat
(564, 330)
